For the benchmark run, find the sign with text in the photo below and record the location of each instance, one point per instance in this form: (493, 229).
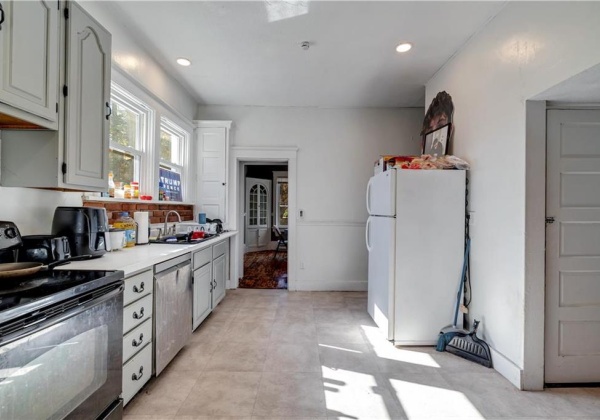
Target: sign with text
(169, 185)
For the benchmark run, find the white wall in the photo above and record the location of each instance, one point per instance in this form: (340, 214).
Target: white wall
(525, 50)
(337, 148)
(32, 210)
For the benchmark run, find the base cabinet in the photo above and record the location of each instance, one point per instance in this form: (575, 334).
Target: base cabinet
(137, 332)
(210, 277)
(203, 284)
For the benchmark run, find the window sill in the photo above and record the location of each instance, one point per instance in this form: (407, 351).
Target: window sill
(129, 200)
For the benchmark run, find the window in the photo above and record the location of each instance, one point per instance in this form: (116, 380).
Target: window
(147, 137)
(129, 132)
(281, 209)
(172, 145)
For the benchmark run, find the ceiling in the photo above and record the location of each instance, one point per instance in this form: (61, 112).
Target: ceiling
(248, 53)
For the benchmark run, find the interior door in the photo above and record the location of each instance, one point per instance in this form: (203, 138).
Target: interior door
(258, 212)
(572, 334)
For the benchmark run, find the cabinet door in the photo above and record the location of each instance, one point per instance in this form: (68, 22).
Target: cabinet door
(212, 171)
(202, 294)
(29, 57)
(219, 279)
(88, 97)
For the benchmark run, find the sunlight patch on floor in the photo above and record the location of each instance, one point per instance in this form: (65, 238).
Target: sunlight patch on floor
(426, 401)
(355, 395)
(340, 348)
(386, 350)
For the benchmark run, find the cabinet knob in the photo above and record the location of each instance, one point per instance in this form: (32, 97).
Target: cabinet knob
(139, 375)
(141, 314)
(136, 343)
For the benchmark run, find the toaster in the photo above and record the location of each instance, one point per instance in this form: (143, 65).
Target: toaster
(86, 228)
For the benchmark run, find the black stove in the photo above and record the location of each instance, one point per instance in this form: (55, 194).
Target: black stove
(23, 295)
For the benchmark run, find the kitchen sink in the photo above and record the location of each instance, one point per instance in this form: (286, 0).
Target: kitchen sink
(182, 239)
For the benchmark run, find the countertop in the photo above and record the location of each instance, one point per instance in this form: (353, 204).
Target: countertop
(140, 257)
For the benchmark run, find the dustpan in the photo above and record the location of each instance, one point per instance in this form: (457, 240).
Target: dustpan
(468, 346)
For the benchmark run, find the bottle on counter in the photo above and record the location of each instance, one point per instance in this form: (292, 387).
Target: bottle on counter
(129, 226)
(127, 191)
(111, 184)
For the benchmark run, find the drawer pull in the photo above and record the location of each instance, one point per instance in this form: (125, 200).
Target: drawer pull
(135, 343)
(141, 314)
(139, 375)
(140, 290)
(214, 284)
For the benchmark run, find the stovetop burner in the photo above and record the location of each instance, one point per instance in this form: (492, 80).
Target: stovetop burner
(20, 291)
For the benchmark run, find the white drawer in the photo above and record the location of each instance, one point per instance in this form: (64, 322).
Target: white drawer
(220, 249)
(138, 286)
(136, 339)
(137, 312)
(202, 257)
(136, 373)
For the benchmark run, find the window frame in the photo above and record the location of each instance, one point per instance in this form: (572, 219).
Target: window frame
(145, 113)
(277, 176)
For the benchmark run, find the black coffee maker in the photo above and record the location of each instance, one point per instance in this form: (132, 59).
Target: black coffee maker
(85, 227)
(10, 242)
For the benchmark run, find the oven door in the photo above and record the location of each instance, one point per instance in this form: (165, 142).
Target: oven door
(66, 366)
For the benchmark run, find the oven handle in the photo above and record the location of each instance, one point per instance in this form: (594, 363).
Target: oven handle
(40, 324)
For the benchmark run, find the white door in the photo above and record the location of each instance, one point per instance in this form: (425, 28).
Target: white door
(258, 213)
(380, 236)
(212, 171)
(29, 57)
(572, 335)
(88, 100)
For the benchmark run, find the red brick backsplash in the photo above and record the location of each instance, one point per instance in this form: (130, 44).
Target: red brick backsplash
(157, 211)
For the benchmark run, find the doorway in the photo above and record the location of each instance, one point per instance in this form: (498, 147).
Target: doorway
(265, 226)
(244, 155)
(572, 318)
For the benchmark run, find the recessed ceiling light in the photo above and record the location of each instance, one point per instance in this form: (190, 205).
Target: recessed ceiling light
(183, 62)
(404, 47)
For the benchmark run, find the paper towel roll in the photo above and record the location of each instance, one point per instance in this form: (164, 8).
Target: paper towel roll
(142, 220)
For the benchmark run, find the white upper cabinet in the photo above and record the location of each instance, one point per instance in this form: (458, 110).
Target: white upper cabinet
(75, 157)
(29, 57)
(212, 145)
(87, 100)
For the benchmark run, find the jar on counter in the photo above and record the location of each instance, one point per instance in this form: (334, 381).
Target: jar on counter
(129, 226)
(127, 191)
(135, 186)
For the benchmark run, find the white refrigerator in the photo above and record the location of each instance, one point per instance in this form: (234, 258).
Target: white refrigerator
(415, 239)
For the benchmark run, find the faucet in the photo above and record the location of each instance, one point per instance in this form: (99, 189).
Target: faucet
(166, 229)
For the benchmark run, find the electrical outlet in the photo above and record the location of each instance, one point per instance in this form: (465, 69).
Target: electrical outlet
(301, 265)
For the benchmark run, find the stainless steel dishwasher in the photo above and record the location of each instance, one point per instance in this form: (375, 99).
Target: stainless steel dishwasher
(173, 309)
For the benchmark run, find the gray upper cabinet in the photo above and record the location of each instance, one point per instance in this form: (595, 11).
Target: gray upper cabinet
(29, 57)
(75, 157)
(87, 101)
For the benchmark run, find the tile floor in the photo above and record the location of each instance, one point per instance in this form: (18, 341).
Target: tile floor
(273, 354)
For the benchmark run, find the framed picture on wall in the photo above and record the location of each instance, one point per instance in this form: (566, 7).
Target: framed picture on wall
(435, 143)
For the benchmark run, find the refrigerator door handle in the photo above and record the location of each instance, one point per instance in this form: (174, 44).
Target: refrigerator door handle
(369, 195)
(369, 248)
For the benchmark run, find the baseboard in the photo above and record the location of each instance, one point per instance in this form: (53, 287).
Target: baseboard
(507, 368)
(331, 286)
